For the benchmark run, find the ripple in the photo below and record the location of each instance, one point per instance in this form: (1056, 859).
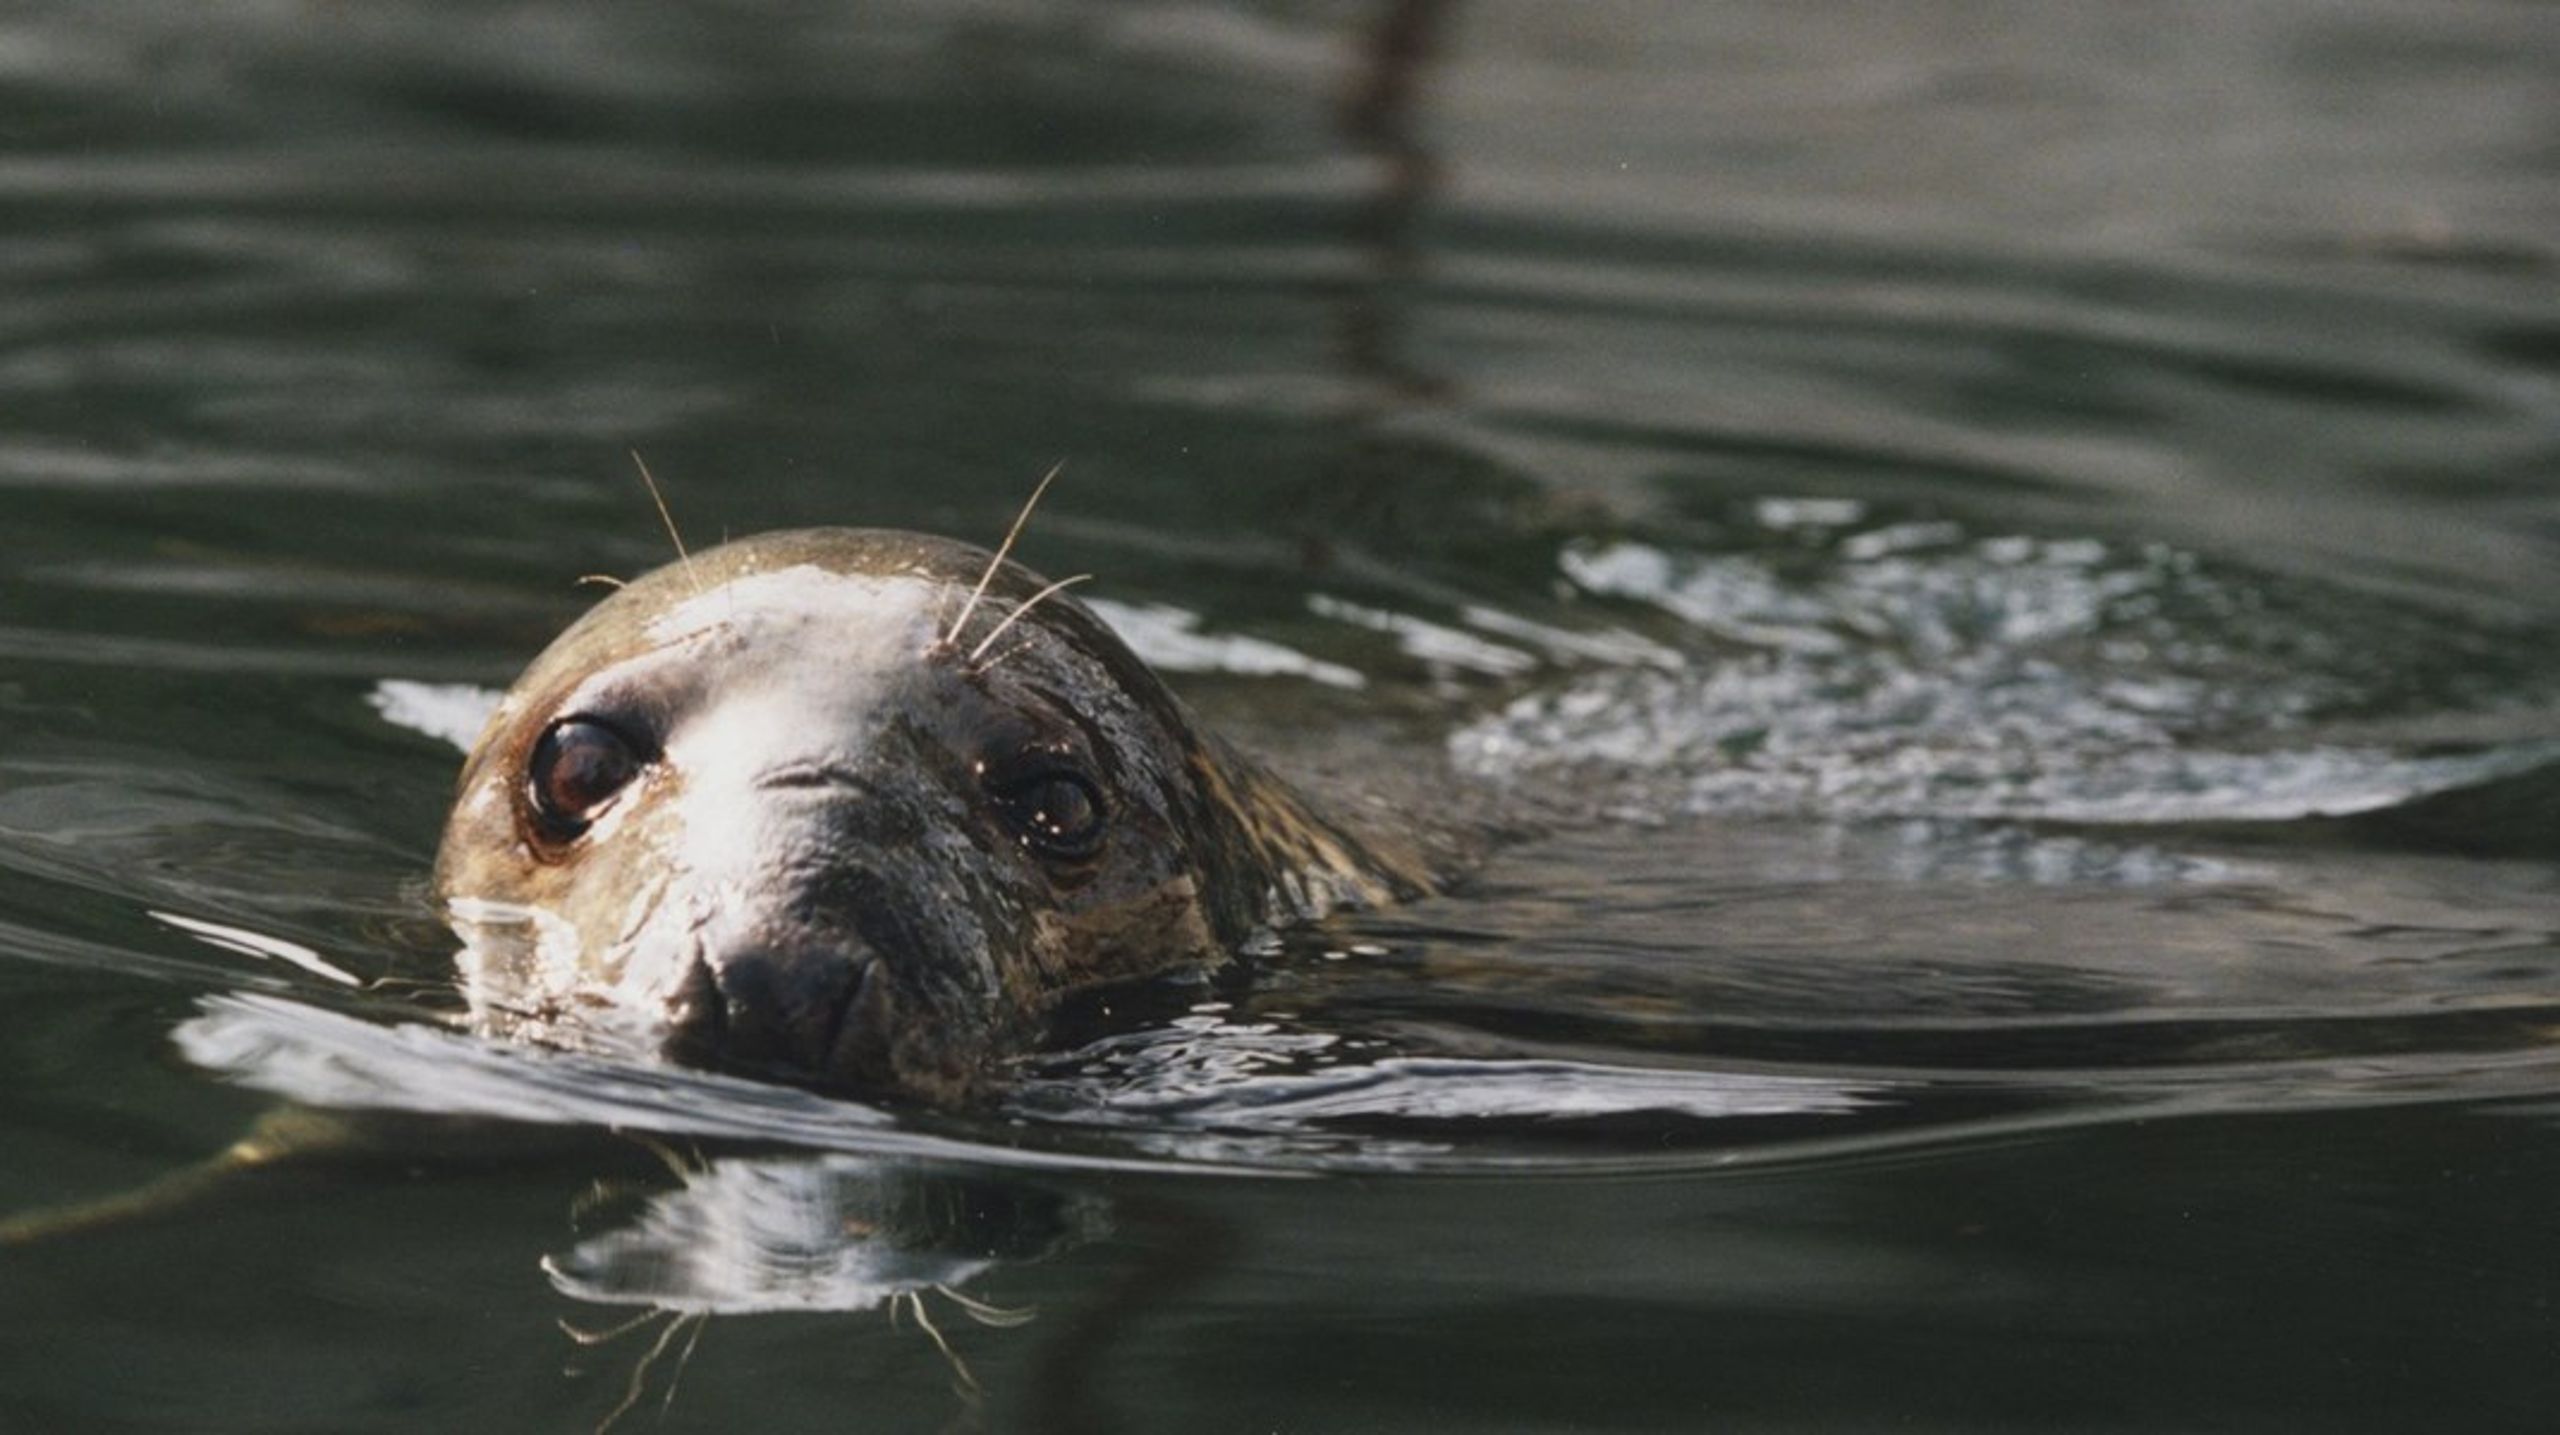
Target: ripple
(1857, 665)
(1170, 638)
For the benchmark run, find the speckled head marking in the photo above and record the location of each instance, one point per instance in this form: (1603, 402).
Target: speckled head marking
(788, 808)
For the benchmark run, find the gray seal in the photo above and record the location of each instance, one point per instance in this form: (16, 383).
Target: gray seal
(809, 806)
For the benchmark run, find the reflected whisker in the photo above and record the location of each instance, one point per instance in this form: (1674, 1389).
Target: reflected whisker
(700, 1321)
(666, 1154)
(995, 1316)
(612, 1333)
(639, 1383)
(969, 1388)
(600, 1194)
(393, 985)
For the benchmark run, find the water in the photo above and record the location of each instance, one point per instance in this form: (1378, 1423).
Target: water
(2010, 549)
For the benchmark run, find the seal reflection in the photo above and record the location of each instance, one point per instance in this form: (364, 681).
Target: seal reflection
(833, 1233)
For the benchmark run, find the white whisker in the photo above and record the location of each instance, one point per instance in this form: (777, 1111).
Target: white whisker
(984, 1313)
(639, 1383)
(600, 1337)
(666, 518)
(1025, 606)
(1003, 549)
(701, 1322)
(969, 1387)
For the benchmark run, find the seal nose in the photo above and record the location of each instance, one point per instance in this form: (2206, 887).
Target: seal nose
(779, 1008)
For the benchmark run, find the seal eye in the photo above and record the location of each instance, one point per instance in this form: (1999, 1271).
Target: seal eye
(1057, 812)
(578, 766)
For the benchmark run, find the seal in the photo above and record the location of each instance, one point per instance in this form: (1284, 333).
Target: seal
(857, 808)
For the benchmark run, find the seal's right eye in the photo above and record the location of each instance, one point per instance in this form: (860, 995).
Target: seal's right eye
(578, 766)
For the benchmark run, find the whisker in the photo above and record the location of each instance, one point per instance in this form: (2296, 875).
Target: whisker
(1002, 549)
(993, 663)
(607, 579)
(1025, 606)
(666, 518)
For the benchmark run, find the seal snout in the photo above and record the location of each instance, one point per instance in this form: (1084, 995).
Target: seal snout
(776, 1007)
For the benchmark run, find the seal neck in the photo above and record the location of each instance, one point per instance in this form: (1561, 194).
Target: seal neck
(1285, 861)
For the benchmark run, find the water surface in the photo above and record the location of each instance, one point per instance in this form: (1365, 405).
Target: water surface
(2008, 551)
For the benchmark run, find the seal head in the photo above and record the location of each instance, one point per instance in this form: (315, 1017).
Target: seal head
(765, 810)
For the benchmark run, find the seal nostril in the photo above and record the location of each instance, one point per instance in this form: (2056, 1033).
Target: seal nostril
(698, 1017)
(782, 1009)
(858, 1049)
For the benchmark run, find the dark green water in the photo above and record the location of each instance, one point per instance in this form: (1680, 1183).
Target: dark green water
(2026, 533)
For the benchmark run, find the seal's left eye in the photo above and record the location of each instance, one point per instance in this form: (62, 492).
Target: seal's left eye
(578, 766)
(1060, 813)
